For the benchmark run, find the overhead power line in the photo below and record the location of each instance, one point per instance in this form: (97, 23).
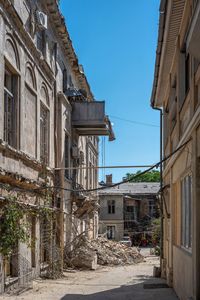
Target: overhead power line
(104, 167)
(123, 181)
(134, 122)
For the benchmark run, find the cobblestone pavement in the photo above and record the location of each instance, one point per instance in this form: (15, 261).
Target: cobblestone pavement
(115, 283)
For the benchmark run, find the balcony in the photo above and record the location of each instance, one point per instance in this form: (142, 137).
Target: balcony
(193, 36)
(89, 119)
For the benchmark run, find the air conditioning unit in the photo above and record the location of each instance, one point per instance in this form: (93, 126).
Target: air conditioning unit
(41, 19)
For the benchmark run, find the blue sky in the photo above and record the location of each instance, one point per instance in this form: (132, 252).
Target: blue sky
(116, 43)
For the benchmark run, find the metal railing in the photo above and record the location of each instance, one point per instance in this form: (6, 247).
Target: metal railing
(21, 277)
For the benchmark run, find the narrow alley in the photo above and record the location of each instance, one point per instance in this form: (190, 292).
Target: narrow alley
(123, 282)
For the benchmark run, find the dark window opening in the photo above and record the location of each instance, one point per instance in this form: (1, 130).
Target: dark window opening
(44, 134)
(187, 73)
(111, 206)
(65, 81)
(10, 108)
(110, 232)
(41, 41)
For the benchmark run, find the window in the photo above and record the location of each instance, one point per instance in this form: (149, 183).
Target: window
(184, 77)
(41, 41)
(111, 206)
(152, 208)
(67, 156)
(187, 73)
(65, 81)
(186, 212)
(110, 232)
(196, 95)
(30, 113)
(44, 134)
(10, 108)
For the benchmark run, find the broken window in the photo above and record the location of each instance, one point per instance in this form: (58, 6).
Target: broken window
(65, 81)
(10, 108)
(44, 134)
(110, 232)
(186, 212)
(41, 41)
(111, 206)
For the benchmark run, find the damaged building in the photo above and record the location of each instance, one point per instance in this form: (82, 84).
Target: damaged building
(126, 208)
(49, 128)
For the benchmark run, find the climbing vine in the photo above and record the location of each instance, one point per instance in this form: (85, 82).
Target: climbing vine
(13, 227)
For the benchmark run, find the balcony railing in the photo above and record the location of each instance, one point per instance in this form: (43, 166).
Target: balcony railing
(89, 119)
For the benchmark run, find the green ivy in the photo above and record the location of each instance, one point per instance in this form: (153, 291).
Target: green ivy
(13, 227)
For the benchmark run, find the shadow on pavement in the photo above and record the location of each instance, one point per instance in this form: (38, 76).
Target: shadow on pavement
(129, 292)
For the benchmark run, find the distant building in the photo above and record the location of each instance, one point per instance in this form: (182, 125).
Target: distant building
(124, 208)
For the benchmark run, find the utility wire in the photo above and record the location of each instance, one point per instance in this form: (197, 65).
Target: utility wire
(134, 122)
(104, 167)
(123, 181)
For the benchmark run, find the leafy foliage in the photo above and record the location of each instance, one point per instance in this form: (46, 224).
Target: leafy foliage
(13, 227)
(151, 176)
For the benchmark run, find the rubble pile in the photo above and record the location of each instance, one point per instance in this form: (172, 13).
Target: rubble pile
(114, 253)
(101, 251)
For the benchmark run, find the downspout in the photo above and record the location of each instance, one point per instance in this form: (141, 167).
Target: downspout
(161, 180)
(162, 9)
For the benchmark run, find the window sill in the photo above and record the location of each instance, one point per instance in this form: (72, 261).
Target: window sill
(18, 154)
(187, 251)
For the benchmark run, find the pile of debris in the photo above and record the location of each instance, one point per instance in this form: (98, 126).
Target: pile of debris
(90, 253)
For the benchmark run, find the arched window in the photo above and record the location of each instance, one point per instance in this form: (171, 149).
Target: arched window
(11, 93)
(30, 76)
(44, 95)
(11, 52)
(30, 112)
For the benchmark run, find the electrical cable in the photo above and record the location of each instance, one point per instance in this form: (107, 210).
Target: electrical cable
(156, 165)
(134, 122)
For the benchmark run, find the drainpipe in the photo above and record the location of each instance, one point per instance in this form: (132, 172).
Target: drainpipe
(161, 179)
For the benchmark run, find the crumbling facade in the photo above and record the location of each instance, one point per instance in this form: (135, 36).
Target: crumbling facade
(125, 208)
(176, 92)
(49, 127)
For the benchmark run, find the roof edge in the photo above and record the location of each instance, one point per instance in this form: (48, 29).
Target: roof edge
(162, 18)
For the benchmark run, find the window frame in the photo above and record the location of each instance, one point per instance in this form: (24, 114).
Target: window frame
(111, 207)
(186, 218)
(13, 94)
(113, 232)
(45, 159)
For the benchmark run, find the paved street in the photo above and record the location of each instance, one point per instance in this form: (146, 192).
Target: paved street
(121, 283)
